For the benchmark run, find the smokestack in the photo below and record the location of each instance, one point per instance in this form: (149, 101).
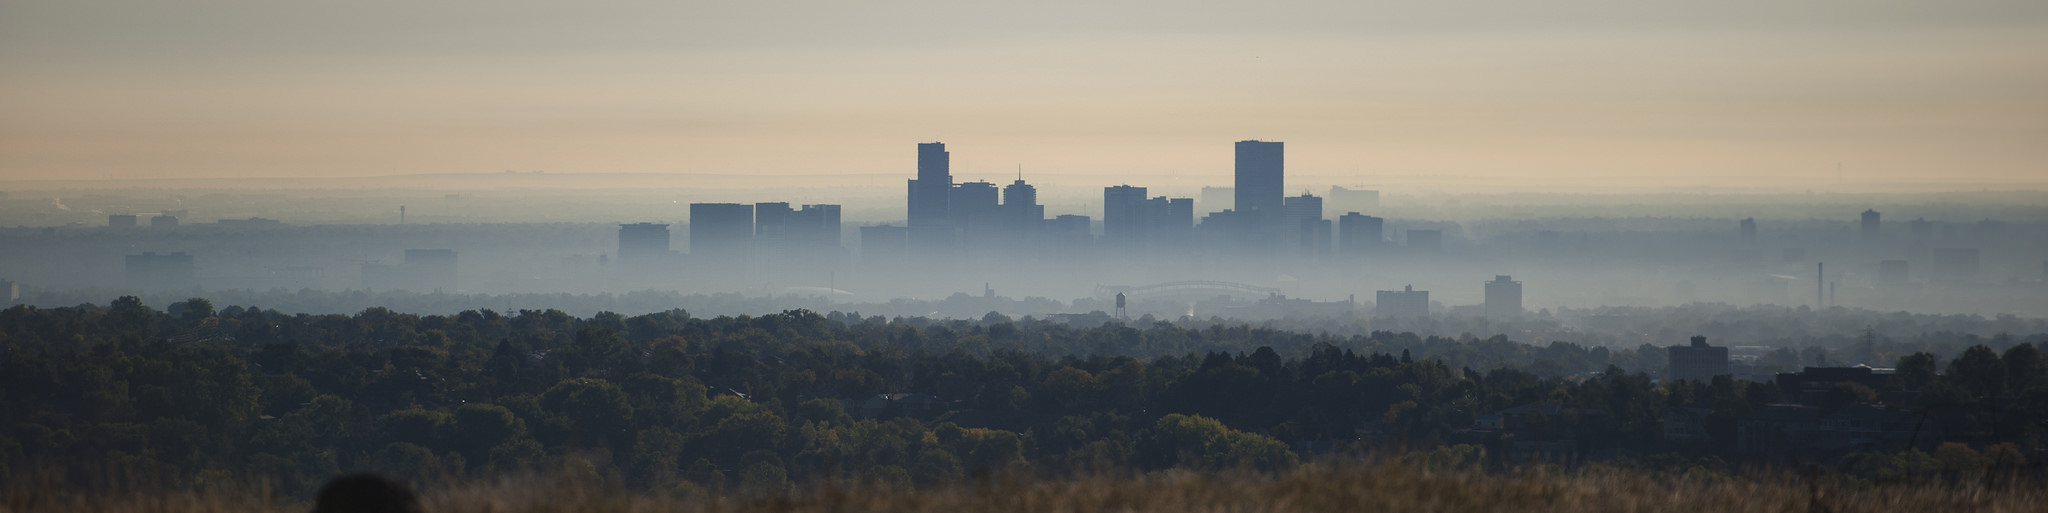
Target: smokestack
(1820, 285)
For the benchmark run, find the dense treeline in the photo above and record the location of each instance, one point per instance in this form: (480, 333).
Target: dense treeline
(125, 393)
(1614, 326)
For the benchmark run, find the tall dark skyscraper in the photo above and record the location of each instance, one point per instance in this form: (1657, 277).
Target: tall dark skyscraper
(930, 193)
(1503, 298)
(1261, 175)
(1870, 223)
(1748, 230)
(721, 230)
(1359, 233)
(1021, 208)
(1123, 214)
(771, 220)
(974, 205)
(815, 227)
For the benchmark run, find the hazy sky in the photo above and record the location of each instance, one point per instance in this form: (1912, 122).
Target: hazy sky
(1541, 94)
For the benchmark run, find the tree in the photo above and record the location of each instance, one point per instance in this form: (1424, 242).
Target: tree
(478, 428)
(1978, 371)
(1915, 371)
(592, 410)
(2023, 367)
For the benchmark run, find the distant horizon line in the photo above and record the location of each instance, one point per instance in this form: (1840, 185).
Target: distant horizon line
(1405, 181)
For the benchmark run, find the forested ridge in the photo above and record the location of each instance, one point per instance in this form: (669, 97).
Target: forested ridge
(128, 395)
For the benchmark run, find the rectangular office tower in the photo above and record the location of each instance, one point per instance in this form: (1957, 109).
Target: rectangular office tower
(1261, 175)
(1358, 233)
(1123, 215)
(1021, 210)
(930, 193)
(721, 230)
(1698, 362)
(1406, 302)
(643, 242)
(1503, 298)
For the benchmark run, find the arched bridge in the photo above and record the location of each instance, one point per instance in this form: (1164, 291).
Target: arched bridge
(1194, 288)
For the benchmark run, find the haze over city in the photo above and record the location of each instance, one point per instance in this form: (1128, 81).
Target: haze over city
(1484, 96)
(1130, 256)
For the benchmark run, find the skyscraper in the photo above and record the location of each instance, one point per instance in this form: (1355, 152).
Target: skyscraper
(974, 205)
(1123, 215)
(931, 193)
(814, 227)
(1261, 175)
(720, 231)
(1218, 199)
(1503, 298)
(1870, 223)
(642, 242)
(1302, 222)
(771, 220)
(1359, 233)
(1748, 230)
(1021, 208)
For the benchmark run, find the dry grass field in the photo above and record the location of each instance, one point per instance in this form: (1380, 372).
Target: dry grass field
(1313, 488)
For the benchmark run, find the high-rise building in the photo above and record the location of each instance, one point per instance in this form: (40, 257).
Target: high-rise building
(1503, 298)
(1130, 219)
(770, 220)
(1021, 208)
(931, 193)
(1261, 175)
(642, 242)
(1305, 206)
(1406, 302)
(1068, 231)
(1218, 199)
(1358, 234)
(1176, 222)
(1698, 362)
(975, 207)
(721, 231)
(1748, 230)
(814, 227)
(1870, 224)
(1123, 215)
(1302, 225)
